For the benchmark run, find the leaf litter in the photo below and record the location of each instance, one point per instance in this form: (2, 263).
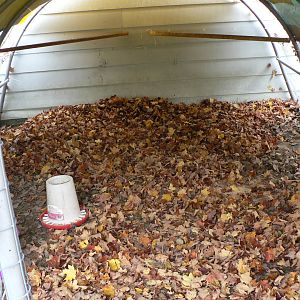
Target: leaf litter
(189, 202)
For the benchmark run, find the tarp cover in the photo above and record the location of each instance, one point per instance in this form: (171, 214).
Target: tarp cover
(11, 10)
(289, 10)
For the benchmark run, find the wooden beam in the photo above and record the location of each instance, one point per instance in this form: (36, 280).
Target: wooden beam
(63, 42)
(219, 36)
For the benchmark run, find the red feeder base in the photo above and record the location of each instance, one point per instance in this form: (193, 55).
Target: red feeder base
(59, 225)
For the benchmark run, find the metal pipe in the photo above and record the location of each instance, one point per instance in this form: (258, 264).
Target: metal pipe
(290, 90)
(6, 80)
(288, 66)
(4, 88)
(218, 36)
(3, 83)
(64, 42)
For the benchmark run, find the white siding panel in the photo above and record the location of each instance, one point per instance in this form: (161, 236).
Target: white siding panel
(181, 53)
(140, 65)
(21, 114)
(141, 17)
(80, 21)
(55, 61)
(137, 73)
(295, 79)
(56, 80)
(187, 14)
(194, 52)
(175, 89)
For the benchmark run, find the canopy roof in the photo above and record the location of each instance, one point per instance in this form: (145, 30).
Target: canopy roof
(287, 12)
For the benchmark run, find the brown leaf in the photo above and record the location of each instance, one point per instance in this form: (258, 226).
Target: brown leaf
(132, 202)
(270, 254)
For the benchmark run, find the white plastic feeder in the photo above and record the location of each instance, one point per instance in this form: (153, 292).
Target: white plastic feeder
(12, 267)
(63, 210)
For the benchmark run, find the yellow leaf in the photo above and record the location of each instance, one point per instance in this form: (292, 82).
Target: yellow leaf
(226, 217)
(114, 264)
(242, 267)
(83, 244)
(100, 228)
(187, 280)
(69, 238)
(35, 277)
(167, 197)
(70, 273)
(109, 291)
(138, 290)
(146, 271)
(207, 109)
(205, 192)
(98, 249)
(148, 123)
(221, 136)
(235, 188)
(171, 131)
(180, 165)
(224, 253)
(154, 243)
(45, 169)
(295, 200)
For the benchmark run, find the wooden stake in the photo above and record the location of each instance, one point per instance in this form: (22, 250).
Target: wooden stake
(219, 36)
(63, 42)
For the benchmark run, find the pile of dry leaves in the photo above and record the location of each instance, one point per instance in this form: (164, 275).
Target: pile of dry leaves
(187, 201)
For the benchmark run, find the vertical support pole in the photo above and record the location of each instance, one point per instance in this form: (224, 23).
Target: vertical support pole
(11, 256)
(5, 82)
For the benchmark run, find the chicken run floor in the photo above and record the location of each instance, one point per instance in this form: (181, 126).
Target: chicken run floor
(189, 202)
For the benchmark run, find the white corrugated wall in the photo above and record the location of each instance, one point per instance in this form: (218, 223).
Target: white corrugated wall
(140, 65)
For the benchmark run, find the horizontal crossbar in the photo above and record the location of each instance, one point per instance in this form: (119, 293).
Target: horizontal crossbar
(219, 36)
(63, 42)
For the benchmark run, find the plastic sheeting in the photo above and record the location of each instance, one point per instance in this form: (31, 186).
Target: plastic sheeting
(289, 10)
